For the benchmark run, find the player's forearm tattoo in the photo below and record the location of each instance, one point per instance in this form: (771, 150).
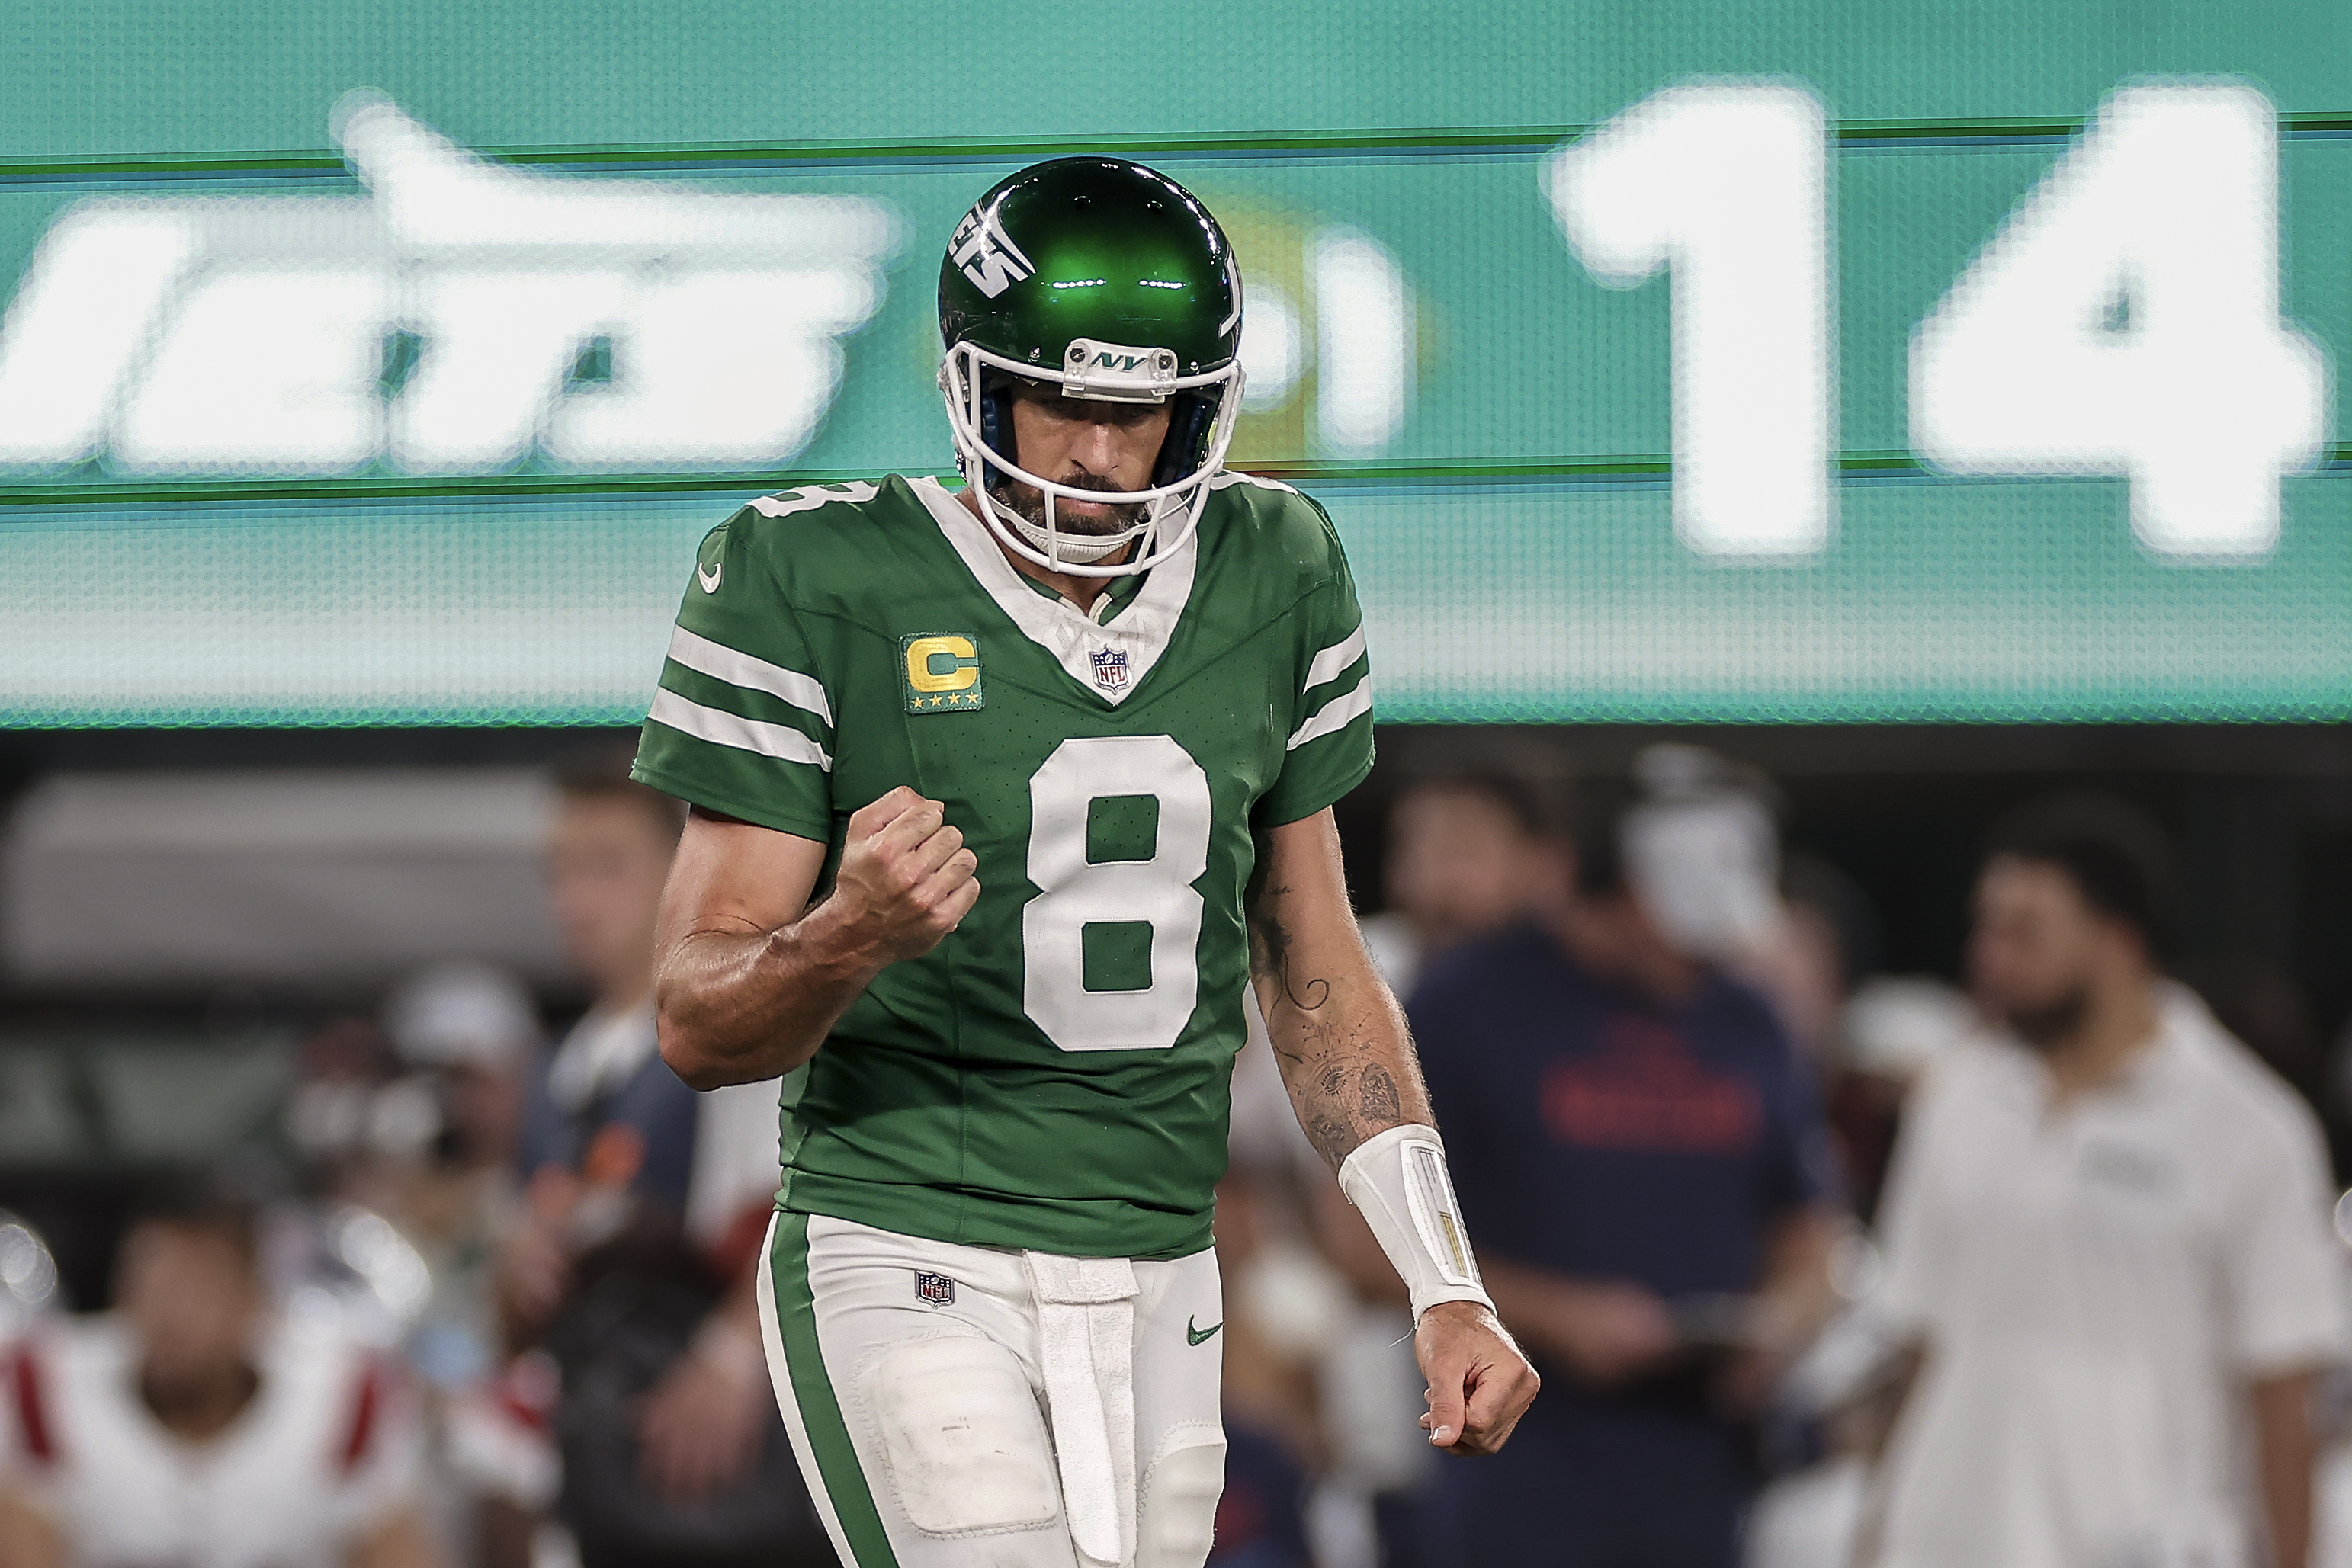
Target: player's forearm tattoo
(1346, 1103)
(1270, 953)
(1338, 1044)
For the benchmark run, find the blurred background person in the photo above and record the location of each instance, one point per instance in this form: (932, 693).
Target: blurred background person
(1467, 853)
(194, 1424)
(1282, 1306)
(1655, 1197)
(1891, 1031)
(2107, 1241)
(466, 1035)
(645, 1202)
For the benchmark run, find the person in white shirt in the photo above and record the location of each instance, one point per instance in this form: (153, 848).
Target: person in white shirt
(2107, 1238)
(192, 1427)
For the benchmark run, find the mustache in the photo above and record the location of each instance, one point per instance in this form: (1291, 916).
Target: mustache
(2051, 1021)
(1030, 504)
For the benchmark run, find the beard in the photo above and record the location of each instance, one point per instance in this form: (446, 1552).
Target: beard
(1030, 504)
(2044, 1026)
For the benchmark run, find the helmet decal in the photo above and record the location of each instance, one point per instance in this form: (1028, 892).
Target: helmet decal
(986, 254)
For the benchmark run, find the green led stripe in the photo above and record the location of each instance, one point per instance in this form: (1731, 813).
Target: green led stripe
(1924, 708)
(1506, 140)
(390, 488)
(367, 488)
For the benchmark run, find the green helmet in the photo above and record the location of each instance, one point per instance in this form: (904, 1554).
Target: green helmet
(1108, 280)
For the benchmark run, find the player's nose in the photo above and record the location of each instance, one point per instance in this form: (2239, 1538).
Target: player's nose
(1099, 453)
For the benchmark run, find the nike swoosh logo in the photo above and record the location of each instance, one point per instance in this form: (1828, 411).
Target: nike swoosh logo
(710, 579)
(1201, 1336)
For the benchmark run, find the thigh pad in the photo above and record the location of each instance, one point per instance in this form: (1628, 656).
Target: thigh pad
(963, 1437)
(1177, 1523)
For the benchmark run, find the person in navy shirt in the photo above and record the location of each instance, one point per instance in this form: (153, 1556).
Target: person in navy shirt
(1653, 1198)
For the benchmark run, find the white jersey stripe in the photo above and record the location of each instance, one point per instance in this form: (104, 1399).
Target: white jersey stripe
(1228, 476)
(1336, 715)
(777, 740)
(1333, 662)
(740, 669)
(785, 503)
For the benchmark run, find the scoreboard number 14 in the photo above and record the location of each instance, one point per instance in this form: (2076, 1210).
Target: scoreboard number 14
(2123, 321)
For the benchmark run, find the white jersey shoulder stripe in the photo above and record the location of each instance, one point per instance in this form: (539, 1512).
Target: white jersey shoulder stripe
(780, 741)
(785, 503)
(1228, 476)
(1335, 714)
(740, 669)
(1333, 662)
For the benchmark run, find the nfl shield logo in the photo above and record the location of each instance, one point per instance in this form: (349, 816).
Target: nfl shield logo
(935, 1290)
(1110, 668)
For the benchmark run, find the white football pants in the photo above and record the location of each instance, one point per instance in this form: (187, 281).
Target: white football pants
(969, 1407)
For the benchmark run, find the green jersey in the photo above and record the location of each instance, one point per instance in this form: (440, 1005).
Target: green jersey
(1054, 1075)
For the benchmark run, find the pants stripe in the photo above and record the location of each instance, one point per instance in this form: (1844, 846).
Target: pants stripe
(820, 1437)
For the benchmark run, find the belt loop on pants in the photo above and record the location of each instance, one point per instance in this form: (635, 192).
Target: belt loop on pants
(1086, 1334)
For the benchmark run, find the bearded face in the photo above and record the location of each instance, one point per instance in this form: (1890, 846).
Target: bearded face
(2033, 952)
(1075, 518)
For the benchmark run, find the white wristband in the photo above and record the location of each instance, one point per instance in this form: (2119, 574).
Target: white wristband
(1397, 1179)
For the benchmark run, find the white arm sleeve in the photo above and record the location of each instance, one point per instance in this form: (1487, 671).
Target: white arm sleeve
(1398, 1180)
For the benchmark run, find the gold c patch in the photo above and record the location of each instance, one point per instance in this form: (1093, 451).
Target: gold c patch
(941, 672)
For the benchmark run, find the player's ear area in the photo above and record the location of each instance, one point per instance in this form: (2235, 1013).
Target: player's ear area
(1188, 433)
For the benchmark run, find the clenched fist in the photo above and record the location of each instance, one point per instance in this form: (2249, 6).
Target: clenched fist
(906, 880)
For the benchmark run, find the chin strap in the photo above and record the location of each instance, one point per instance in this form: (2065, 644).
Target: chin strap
(1397, 1179)
(1085, 550)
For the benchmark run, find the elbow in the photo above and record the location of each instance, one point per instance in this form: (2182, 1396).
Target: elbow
(695, 1068)
(690, 1057)
(703, 1064)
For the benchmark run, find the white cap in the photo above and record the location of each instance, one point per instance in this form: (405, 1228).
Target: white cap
(459, 1014)
(1702, 854)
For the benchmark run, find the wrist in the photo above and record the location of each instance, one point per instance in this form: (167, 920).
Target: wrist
(1397, 1180)
(827, 944)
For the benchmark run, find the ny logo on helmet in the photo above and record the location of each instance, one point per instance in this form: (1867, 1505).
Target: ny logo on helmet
(987, 254)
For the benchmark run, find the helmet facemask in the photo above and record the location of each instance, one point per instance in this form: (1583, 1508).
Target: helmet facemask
(974, 384)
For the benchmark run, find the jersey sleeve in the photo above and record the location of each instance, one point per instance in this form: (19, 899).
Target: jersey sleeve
(742, 722)
(1330, 748)
(2282, 1272)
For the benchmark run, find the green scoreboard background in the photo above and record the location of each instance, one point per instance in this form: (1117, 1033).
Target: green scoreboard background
(1833, 361)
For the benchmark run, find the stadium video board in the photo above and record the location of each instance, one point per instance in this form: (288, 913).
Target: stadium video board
(1698, 362)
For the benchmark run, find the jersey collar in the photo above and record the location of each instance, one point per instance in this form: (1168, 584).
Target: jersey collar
(1142, 626)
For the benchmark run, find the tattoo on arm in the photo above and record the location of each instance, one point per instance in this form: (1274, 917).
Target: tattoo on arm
(1270, 953)
(1326, 1120)
(1347, 1103)
(1340, 1060)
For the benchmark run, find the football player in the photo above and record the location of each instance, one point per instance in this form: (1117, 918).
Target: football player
(1001, 799)
(194, 1426)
